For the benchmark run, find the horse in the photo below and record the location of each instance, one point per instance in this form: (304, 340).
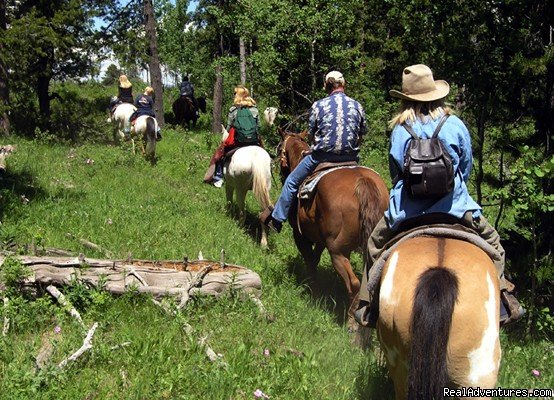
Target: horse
(249, 168)
(439, 322)
(120, 120)
(270, 113)
(185, 112)
(347, 204)
(145, 129)
(202, 103)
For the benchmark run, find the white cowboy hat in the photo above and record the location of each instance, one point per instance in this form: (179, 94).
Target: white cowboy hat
(418, 85)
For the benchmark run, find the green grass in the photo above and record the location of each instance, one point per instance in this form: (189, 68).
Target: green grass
(123, 204)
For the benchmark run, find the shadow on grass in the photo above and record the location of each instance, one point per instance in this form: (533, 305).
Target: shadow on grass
(374, 382)
(17, 189)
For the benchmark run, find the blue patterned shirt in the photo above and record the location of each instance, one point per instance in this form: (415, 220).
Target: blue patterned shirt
(336, 124)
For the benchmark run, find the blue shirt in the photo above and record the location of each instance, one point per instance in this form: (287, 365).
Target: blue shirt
(457, 141)
(336, 124)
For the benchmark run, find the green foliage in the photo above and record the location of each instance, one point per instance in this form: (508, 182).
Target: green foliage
(13, 273)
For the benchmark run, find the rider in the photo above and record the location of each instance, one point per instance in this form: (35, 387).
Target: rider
(187, 90)
(422, 107)
(124, 93)
(336, 125)
(242, 101)
(145, 106)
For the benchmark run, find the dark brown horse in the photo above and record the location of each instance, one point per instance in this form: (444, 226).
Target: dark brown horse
(340, 216)
(185, 111)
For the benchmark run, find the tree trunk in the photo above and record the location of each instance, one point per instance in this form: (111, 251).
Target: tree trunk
(154, 61)
(479, 154)
(218, 100)
(4, 89)
(43, 85)
(242, 50)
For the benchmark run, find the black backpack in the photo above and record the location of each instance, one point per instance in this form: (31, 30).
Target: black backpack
(428, 168)
(246, 128)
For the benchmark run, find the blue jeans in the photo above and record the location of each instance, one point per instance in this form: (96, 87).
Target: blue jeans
(297, 176)
(291, 185)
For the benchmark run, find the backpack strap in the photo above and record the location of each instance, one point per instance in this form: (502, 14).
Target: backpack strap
(435, 134)
(439, 126)
(410, 131)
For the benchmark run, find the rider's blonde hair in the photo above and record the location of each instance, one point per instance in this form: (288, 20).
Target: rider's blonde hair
(124, 82)
(149, 91)
(242, 97)
(410, 111)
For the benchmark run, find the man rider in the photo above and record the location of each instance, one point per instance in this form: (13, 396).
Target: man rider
(187, 90)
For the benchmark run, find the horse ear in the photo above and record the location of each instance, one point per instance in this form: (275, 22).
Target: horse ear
(281, 132)
(303, 135)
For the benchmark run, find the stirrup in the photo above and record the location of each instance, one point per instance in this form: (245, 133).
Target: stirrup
(514, 310)
(265, 214)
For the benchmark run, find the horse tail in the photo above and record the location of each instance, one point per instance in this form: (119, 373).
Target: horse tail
(434, 300)
(150, 137)
(369, 199)
(261, 180)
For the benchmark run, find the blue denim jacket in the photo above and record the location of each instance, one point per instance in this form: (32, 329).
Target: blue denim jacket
(457, 142)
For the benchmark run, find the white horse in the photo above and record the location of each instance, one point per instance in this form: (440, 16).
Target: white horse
(270, 113)
(120, 120)
(145, 129)
(248, 169)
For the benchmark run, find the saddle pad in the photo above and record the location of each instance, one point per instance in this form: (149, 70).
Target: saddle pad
(455, 231)
(307, 188)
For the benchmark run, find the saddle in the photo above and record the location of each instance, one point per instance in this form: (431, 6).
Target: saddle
(434, 225)
(307, 188)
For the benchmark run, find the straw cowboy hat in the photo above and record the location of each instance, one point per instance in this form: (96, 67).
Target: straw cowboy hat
(418, 85)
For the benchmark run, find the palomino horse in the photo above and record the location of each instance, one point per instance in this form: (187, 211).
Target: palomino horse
(347, 204)
(145, 129)
(249, 168)
(120, 120)
(438, 321)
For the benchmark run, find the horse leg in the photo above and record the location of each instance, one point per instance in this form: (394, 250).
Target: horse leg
(241, 196)
(342, 265)
(305, 247)
(229, 189)
(263, 240)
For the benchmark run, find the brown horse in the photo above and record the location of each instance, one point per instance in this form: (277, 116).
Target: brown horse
(340, 216)
(185, 111)
(438, 318)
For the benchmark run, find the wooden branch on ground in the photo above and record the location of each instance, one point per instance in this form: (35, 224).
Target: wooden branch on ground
(90, 245)
(195, 281)
(261, 308)
(44, 354)
(119, 346)
(6, 319)
(87, 345)
(65, 303)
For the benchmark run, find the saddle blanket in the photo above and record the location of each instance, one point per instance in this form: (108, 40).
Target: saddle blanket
(307, 189)
(453, 231)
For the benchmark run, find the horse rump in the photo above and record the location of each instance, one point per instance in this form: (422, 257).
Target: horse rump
(434, 299)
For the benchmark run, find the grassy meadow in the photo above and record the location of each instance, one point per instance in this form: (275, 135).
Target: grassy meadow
(108, 196)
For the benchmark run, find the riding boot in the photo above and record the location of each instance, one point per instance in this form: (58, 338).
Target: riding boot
(510, 309)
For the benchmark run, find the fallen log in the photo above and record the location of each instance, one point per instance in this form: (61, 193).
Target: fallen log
(159, 278)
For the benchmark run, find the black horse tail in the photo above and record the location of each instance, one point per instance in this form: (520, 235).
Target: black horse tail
(369, 213)
(434, 300)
